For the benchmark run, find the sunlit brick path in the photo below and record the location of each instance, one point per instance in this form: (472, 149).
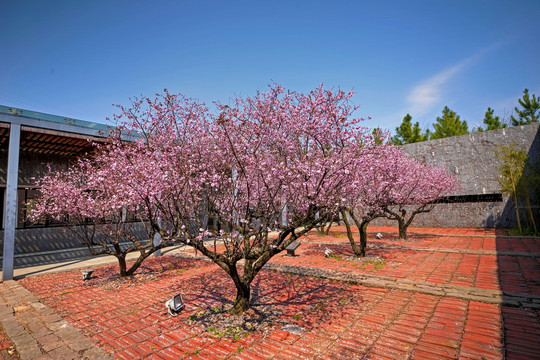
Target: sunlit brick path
(482, 263)
(442, 294)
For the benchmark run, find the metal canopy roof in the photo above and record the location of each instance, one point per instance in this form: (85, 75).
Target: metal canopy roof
(49, 134)
(49, 142)
(53, 121)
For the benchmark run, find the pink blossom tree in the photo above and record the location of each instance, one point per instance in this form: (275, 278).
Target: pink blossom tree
(366, 196)
(97, 221)
(388, 183)
(416, 188)
(289, 156)
(125, 179)
(269, 168)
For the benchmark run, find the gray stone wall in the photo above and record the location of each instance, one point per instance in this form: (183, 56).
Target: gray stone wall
(471, 158)
(464, 215)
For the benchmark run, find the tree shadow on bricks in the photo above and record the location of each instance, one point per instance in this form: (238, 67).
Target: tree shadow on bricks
(277, 299)
(519, 280)
(518, 270)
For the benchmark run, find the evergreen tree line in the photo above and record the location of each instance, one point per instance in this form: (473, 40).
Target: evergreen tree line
(450, 124)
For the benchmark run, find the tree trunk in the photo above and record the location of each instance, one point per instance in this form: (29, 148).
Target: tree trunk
(327, 231)
(139, 261)
(243, 294)
(402, 229)
(362, 230)
(517, 214)
(122, 264)
(514, 194)
(243, 287)
(356, 250)
(252, 265)
(363, 238)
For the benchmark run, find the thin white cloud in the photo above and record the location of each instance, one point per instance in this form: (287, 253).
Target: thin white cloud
(428, 93)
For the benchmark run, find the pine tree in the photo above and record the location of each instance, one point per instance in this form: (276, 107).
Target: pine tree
(492, 122)
(449, 125)
(407, 133)
(529, 113)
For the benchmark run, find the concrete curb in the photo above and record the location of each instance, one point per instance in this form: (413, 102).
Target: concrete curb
(460, 292)
(440, 250)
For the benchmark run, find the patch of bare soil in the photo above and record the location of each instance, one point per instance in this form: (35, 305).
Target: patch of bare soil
(368, 259)
(295, 304)
(262, 319)
(115, 281)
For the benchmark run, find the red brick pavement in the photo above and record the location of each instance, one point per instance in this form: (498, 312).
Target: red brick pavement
(490, 270)
(436, 267)
(339, 320)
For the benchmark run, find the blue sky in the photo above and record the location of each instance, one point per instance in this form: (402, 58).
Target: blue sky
(77, 58)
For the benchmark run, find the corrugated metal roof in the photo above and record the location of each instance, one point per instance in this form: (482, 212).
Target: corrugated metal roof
(47, 137)
(52, 118)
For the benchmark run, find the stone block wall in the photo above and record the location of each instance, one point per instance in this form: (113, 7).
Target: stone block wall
(471, 158)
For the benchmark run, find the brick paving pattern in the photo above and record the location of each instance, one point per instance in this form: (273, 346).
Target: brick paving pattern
(36, 332)
(442, 294)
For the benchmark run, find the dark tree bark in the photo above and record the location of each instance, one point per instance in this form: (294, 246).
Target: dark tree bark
(327, 231)
(138, 262)
(400, 215)
(357, 249)
(243, 291)
(122, 264)
(362, 223)
(402, 229)
(87, 236)
(362, 228)
(254, 260)
(321, 229)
